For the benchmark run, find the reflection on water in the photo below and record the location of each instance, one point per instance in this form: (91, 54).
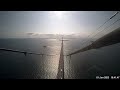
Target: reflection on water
(92, 63)
(89, 64)
(14, 65)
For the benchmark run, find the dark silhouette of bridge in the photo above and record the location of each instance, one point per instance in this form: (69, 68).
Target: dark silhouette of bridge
(109, 39)
(60, 74)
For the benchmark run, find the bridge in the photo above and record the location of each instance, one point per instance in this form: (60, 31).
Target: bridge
(60, 74)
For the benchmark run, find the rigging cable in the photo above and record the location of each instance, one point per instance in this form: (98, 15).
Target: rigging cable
(100, 31)
(100, 26)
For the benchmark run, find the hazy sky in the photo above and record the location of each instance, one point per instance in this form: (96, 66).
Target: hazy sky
(18, 24)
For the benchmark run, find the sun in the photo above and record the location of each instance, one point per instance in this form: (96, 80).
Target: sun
(59, 14)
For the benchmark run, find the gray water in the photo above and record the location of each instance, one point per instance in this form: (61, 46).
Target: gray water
(85, 65)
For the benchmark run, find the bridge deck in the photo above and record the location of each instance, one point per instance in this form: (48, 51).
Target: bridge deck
(60, 74)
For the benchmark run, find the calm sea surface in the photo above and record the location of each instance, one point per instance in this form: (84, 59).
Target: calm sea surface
(86, 65)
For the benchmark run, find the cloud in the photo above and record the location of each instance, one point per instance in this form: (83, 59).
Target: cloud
(36, 34)
(40, 35)
(30, 34)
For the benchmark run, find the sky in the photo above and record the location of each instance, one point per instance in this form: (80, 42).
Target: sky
(24, 24)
